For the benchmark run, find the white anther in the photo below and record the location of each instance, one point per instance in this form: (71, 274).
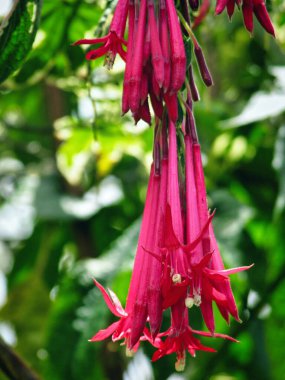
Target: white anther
(189, 302)
(197, 300)
(176, 278)
(129, 353)
(180, 365)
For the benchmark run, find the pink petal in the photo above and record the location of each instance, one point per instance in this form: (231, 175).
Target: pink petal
(170, 239)
(207, 312)
(109, 300)
(117, 302)
(189, 247)
(92, 41)
(103, 334)
(227, 272)
(216, 335)
(97, 53)
(221, 4)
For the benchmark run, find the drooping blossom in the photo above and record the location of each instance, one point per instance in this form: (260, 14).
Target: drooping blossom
(147, 35)
(180, 338)
(183, 282)
(249, 7)
(132, 321)
(178, 263)
(113, 42)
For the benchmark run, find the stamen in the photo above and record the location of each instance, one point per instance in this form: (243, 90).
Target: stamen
(129, 353)
(180, 364)
(176, 278)
(189, 302)
(109, 60)
(197, 300)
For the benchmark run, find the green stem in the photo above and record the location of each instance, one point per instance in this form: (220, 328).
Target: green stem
(13, 366)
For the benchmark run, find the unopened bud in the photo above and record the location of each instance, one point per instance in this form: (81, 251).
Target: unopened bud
(203, 68)
(197, 300)
(194, 4)
(176, 278)
(189, 302)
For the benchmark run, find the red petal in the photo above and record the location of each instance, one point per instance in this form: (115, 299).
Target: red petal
(117, 303)
(97, 53)
(109, 300)
(247, 10)
(227, 272)
(220, 6)
(103, 334)
(92, 41)
(216, 335)
(263, 17)
(170, 239)
(189, 247)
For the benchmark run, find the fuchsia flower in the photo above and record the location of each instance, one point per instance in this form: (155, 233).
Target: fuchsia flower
(155, 57)
(180, 338)
(113, 42)
(249, 7)
(178, 263)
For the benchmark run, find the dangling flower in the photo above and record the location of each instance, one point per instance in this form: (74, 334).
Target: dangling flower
(180, 338)
(209, 280)
(113, 42)
(249, 7)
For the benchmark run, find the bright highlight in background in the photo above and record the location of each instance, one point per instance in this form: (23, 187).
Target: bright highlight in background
(5, 7)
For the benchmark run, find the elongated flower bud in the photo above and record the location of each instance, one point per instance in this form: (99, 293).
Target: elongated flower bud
(220, 6)
(156, 52)
(247, 11)
(203, 68)
(126, 85)
(118, 23)
(178, 56)
(137, 61)
(262, 15)
(172, 106)
(230, 7)
(194, 4)
(164, 40)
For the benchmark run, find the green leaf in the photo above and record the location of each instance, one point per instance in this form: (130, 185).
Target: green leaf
(17, 34)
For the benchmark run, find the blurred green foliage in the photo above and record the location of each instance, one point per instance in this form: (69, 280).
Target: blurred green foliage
(73, 177)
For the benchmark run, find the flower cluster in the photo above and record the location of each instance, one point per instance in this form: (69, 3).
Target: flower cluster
(178, 264)
(249, 7)
(155, 57)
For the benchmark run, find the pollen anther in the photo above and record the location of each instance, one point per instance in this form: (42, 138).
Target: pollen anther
(189, 302)
(176, 278)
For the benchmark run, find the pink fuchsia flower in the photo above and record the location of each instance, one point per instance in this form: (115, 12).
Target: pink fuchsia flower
(144, 292)
(206, 284)
(180, 338)
(113, 42)
(249, 7)
(178, 55)
(209, 280)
